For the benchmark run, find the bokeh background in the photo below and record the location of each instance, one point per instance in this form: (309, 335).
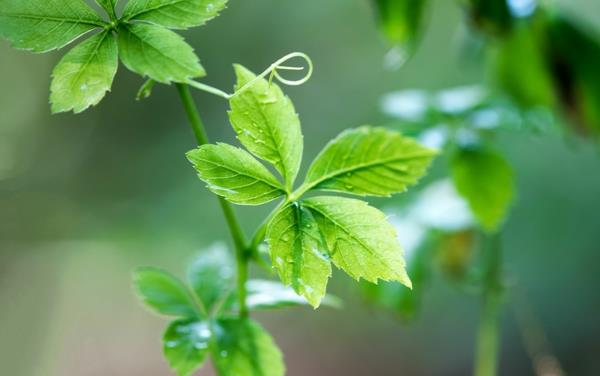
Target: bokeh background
(84, 199)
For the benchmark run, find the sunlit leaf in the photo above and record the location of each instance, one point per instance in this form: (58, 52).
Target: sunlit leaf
(157, 53)
(186, 344)
(359, 239)
(163, 292)
(85, 74)
(211, 274)
(176, 14)
(44, 25)
(298, 252)
(369, 161)
(266, 123)
(244, 348)
(485, 179)
(235, 174)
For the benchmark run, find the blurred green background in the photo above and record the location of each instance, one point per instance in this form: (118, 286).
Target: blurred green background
(86, 198)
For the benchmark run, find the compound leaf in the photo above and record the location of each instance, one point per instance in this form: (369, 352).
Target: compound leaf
(298, 252)
(369, 161)
(235, 174)
(359, 239)
(45, 25)
(267, 124)
(211, 274)
(85, 74)
(163, 292)
(245, 348)
(175, 14)
(485, 180)
(158, 53)
(185, 345)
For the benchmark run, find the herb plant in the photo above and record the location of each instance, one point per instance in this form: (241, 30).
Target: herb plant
(306, 233)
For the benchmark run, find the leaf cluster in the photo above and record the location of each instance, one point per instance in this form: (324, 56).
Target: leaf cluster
(140, 37)
(306, 234)
(206, 320)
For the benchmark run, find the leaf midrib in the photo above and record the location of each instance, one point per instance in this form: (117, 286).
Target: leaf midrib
(83, 21)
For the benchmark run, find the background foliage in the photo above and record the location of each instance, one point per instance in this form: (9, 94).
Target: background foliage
(84, 199)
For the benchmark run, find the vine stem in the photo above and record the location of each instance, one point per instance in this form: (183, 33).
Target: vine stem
(488, 336)
(241, 249)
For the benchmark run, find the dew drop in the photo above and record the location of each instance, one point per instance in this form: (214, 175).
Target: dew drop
(223, 354)
(83, 87)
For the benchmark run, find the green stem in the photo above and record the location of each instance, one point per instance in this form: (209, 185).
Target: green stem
(241, 250)
(488, 336)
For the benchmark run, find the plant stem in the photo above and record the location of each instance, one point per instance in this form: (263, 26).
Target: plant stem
(241, 249)
(488, 336)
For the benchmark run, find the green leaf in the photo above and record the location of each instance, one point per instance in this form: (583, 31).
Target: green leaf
(85, 74)
(369, 161)
(175, 14)
(185, 345)
(44, 25)
(402, 20)
(244, 348)
(485, 180)
(211, 274)
(359, 239)
(264, 294)
(109, 7)
(158, 53)
(163, 292)
(299, 253)
(267, 124)
(235, 174)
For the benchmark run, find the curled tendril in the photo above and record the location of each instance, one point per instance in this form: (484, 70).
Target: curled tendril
(272, 71)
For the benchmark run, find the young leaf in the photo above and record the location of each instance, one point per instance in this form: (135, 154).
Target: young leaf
(85, 74)
(211, 274)
(44, 25)
(359, 239)
(298, 252)
(158, 53)
(485, 180)
(267, 124)
(163, 292)
(369, 161)
(245, 348)
(235, 174)
(264, 294)
(175, 14)
(185, 345)
(109, 7)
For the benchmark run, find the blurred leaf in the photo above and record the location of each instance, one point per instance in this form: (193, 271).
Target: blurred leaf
(244, 348)
(175, 14)
(298, 252)
(109, 7)
(235, 174)
(359, 239)
(186, 344)
(158, 53)
(267, 124)
(402, 21)
(85, 74)
(522, 68)
(490, 16)
(575, 54)
(42, 25)
(369, 161)
(485, 180)
(454, 253)
(264, 294)
(163, 292)
(211, 275)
